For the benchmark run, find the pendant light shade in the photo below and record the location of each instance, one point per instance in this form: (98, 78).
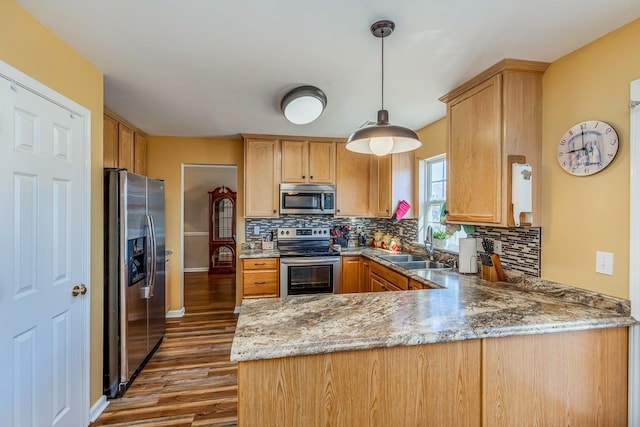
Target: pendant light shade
(303, 104)
(383, 138)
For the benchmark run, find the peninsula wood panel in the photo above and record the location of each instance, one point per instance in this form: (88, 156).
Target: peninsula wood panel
(427, 385)
(352, 182)
(566, 378)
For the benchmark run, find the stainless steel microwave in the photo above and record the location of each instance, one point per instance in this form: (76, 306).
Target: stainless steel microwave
(301, 199)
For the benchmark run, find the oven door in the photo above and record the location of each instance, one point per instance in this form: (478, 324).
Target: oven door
(309, 275)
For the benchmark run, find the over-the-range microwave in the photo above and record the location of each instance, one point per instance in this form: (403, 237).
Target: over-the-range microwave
(301, 199)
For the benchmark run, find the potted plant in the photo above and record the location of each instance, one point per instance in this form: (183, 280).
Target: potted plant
(439, 236)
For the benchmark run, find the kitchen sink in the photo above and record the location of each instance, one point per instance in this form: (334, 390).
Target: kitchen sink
(401, 258)
(423, 265)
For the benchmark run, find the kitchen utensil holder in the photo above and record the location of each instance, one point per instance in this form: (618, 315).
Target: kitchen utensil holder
(489, 273)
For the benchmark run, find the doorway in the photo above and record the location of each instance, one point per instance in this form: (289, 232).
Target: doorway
(198, 180)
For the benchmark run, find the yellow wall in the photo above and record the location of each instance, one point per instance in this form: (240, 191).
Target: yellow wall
(165, 156)
(434, 143)
(587, 214)
(31, 48)
(583, 215)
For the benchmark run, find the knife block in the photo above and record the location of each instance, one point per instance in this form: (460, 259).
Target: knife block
(489, 273)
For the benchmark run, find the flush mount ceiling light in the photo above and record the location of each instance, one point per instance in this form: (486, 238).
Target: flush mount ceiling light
(383, 138)
(303, 104)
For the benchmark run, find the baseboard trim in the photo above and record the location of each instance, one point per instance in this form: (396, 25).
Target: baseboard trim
(174, 314)
(236, 310)
(98, 408)
(196, 270)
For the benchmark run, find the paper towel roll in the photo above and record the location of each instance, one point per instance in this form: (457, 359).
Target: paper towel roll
(468, 255)
(521, 190)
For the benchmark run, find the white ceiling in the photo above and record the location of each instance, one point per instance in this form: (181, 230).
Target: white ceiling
(221, 67)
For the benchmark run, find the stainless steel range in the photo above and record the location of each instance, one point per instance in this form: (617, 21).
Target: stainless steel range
(308, 265)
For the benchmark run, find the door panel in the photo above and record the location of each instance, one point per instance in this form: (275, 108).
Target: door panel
(44, 250)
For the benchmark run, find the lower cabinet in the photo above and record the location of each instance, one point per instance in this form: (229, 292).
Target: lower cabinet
(350, 274)
(260, 278)
(365, 274)
(386, 278)
(564, 378)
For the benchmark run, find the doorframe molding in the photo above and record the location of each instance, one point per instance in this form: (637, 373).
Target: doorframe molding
(634, 254)
(32, 85)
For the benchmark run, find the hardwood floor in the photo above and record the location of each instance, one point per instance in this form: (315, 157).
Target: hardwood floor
(189, 381)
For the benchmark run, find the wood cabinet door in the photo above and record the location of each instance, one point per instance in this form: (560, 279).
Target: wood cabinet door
(125, 147)
(365, 276)
(350, 274)
(261, 178)
(377, 284)
(381, 186)
(352, 182)
(140, 154)
(474, 174)
(110, 142)
(294, 160)
(322, 162)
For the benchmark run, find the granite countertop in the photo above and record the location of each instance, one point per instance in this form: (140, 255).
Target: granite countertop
(464, 307)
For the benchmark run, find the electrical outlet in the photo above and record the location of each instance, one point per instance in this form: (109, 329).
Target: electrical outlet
(604, 263)
(256, 230)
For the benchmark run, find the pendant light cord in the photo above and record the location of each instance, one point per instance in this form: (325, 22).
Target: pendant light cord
(382, 67)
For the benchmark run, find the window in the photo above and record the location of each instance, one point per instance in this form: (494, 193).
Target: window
(433, 193)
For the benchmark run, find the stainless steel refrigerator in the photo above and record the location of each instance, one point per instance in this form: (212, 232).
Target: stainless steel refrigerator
(134, 285)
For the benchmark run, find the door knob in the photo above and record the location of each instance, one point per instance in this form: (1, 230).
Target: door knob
(79, 290)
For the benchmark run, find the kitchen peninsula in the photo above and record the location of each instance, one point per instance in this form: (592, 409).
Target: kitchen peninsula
(468, 352)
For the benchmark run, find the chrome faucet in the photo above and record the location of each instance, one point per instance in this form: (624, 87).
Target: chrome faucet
(428, 242)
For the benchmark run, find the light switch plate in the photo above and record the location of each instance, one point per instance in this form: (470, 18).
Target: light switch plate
(604, 263)
(256, 230)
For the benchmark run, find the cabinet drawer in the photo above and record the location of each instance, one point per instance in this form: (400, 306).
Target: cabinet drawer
(391, 276)
(260, 264)
(260, 284)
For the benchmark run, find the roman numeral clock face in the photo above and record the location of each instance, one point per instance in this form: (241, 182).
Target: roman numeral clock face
(587, 148)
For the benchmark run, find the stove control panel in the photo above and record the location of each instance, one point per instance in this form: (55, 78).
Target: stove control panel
(304, 233)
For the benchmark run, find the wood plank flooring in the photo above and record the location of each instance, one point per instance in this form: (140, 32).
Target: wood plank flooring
(189, 381)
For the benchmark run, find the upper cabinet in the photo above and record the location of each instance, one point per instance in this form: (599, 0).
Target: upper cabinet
(352, 182)
(261, 177)
(391, 181)
(308, 161)
(493, 116)
(123, 145)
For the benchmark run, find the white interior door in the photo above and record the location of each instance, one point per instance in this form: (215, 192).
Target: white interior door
(43, 372)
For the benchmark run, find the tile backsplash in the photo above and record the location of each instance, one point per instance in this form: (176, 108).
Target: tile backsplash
(520, 246)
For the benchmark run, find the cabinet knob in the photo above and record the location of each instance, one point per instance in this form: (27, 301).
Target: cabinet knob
(303, 176)
(337, 210)
(274, 211)
(311, 177)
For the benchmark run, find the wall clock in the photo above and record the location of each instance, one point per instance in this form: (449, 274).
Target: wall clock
(587, 148)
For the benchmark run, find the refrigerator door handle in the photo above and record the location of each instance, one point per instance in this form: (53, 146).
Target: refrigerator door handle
(152, 245)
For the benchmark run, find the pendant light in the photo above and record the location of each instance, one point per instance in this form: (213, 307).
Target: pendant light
(383, 138)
